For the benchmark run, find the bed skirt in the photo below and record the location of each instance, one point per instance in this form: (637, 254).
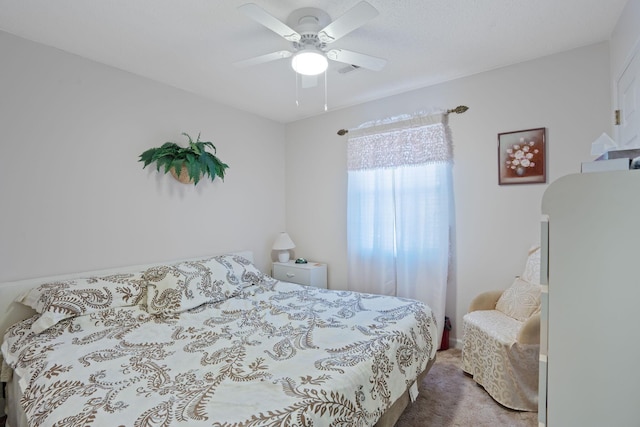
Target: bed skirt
(391, 416)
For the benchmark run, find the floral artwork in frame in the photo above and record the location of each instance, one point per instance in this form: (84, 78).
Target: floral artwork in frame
(522, 157)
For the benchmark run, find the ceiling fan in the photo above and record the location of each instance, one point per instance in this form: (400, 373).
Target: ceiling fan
(310, 30)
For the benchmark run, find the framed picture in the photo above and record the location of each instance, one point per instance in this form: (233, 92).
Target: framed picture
(522, 157)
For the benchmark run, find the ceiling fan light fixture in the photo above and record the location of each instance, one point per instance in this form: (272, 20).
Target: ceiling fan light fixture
(309, 62)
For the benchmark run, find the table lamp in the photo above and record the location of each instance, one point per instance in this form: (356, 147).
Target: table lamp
(282, 244)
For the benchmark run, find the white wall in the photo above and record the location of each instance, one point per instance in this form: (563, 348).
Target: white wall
(74, 196)
(567, 93)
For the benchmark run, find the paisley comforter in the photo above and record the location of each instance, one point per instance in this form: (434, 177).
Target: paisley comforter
(276, 354)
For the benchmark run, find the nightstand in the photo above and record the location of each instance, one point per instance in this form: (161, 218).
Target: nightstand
(310, 274)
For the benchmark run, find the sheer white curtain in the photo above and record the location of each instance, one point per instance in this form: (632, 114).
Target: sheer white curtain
(400, 209)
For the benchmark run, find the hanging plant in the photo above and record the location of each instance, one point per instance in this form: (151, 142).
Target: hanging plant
(186, 164)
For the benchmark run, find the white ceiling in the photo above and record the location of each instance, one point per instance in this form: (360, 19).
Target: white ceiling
(192, 44)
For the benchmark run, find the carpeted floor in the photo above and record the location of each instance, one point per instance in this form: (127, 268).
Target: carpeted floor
(449, 397)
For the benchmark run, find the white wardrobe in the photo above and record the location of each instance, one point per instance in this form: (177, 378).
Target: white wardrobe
(590, 338)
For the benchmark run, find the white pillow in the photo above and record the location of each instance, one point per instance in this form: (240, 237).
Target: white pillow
(520, 300)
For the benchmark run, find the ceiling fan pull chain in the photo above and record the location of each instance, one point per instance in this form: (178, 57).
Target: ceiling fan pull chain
(325, 90)
(296, 75)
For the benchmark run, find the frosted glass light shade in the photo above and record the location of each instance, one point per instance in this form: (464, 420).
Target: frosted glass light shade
(282, 244)
(309, 62)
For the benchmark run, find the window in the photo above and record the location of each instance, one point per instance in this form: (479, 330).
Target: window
(400, 209)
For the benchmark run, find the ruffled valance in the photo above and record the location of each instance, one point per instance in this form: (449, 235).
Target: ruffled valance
(400, 141)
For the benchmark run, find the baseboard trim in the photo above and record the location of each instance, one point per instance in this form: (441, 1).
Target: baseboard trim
(455, 343)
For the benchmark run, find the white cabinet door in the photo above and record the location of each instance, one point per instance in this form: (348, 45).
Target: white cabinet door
(593, 340)
(628, 99)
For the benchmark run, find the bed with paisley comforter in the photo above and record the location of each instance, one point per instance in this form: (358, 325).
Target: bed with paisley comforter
(211, 342)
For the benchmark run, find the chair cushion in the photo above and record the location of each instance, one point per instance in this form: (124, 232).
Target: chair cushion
(520, 300)
(502, 328)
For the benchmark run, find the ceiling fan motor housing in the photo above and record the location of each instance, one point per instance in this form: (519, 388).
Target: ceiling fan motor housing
(309, 40)
(307, 21)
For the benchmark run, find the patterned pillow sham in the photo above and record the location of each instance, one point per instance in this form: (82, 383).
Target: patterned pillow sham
(520, 300)
(176, 288)
(57, 301)
(243, 270)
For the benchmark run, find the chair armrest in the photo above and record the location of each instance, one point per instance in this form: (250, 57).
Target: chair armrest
(485, 301)
(530, 331)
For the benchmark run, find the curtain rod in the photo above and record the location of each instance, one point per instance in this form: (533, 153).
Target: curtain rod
(458, 110)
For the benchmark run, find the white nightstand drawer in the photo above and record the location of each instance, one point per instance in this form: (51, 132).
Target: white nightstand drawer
(310, 274)
(295, 275)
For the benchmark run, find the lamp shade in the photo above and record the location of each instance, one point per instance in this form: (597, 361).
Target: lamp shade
(282, 244)
(309, 62)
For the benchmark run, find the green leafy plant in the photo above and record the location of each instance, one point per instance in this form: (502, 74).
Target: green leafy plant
(195, 158)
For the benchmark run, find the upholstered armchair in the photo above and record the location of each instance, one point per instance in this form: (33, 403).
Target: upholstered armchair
(501, 343)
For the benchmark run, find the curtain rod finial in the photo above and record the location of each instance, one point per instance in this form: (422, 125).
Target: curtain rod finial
(342, 132)
(459, 109)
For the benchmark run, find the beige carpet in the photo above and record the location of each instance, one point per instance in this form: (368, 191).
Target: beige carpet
(449, 397)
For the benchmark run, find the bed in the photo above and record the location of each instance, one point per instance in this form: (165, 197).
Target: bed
(209, 341)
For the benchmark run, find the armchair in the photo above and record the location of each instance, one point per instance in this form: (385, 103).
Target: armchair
(501, 343)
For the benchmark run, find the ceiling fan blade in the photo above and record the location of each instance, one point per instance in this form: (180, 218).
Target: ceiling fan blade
(262, 17)
(353, 18)
(357, 59)
(307, 82)
(263, 58)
